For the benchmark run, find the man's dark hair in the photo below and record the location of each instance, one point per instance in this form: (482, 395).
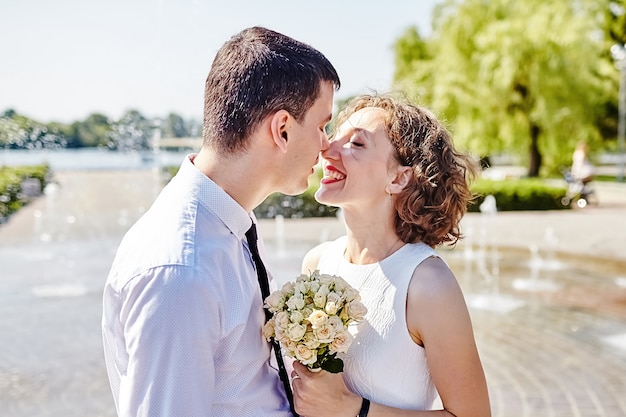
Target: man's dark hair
(254, 74)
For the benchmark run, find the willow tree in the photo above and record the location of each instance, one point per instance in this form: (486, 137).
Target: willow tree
(519, 76)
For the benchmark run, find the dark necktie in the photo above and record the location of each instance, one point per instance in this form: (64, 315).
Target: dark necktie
(265, 291)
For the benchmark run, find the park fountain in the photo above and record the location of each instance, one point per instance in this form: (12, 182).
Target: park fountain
(487, 265)
(50, 298)
(538, 264)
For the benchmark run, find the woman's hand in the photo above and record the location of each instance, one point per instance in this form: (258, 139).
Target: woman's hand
(320, 394)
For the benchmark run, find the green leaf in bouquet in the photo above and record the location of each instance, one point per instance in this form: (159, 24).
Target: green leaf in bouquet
(333, 365)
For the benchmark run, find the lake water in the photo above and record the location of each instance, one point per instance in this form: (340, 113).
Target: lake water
(91, 158)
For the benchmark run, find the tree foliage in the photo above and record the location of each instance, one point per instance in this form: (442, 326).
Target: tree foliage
(95, 130)
(612, 17)
(132, 131)
(174, 126)
(525, 77)
(20, 132)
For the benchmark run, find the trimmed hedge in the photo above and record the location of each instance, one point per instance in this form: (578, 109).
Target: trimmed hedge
(294, 207)
(510, 195)
(12, 197)
(520, 194)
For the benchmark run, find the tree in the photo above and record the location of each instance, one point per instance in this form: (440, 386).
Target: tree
(522, 76)
(611, 17)
(131, 132)
(413, 64)
(174, 126)
(95, 130)
(21, 132)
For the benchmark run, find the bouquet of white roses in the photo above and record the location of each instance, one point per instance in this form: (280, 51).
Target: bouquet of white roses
(311, 318)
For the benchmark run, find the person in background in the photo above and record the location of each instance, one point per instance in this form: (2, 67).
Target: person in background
(403, 188)
(582, 169)
(182, 308)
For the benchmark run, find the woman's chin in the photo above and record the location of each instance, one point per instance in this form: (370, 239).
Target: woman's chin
(325, 197)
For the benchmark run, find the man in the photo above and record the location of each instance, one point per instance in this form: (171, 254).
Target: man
(183, 313)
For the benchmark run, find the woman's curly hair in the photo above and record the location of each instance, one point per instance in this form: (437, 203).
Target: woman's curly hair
(430, 207)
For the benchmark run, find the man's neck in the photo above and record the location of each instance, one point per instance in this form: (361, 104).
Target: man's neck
(241, 176)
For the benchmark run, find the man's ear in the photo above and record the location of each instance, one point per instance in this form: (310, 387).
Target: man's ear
(279, 124)
(402, 178)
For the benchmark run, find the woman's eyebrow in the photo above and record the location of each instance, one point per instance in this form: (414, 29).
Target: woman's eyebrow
(362, 133)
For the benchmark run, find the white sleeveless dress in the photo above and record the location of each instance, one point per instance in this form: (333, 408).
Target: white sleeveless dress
(383, 363)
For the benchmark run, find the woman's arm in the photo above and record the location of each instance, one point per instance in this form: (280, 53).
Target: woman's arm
(438, 319)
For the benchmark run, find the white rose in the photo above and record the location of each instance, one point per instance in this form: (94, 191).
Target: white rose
(281, 320)
(335, 322)
(289, 347)
(314, 286)
(296, 302)
(283, 337)
(275, 301)
(310, 340)
(314, 276)
(288, 288)
(268, 329)
(300, 288)
(324, 289)
(356, 310)
(325, 334)
(341, 343)
(333, 302)
(307, 310)
(317, 318)
(319, 300)
(340, 284)
(325, 279)
(296, 316)
(279, 334)
(350, 294)
(305, 355)
(296, 331)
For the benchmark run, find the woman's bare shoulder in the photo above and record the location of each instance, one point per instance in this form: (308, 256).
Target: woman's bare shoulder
(433, 275)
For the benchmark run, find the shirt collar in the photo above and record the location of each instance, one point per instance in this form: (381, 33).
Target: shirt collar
(212, 196)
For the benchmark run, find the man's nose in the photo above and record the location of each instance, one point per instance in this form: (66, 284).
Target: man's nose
(325, 142)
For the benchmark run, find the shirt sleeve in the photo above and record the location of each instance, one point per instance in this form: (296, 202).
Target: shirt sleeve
(171, 327)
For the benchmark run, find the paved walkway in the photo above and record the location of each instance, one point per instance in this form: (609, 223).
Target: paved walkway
(546, 290)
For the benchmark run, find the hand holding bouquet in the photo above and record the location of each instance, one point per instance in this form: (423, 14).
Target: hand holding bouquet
(311, 318)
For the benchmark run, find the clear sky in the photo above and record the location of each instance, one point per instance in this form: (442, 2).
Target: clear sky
(62, 60)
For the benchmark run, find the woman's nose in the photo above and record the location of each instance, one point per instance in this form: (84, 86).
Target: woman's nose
(332, 150)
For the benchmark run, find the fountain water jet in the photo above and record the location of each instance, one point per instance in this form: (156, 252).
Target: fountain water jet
(487, 263)
(538, 263)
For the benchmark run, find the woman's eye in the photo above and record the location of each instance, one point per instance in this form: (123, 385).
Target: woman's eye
(355, 144)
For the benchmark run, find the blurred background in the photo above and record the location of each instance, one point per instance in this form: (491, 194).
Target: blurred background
(100, 101)
(522, 81)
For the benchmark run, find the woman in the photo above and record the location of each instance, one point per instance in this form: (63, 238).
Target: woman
(402, 187)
